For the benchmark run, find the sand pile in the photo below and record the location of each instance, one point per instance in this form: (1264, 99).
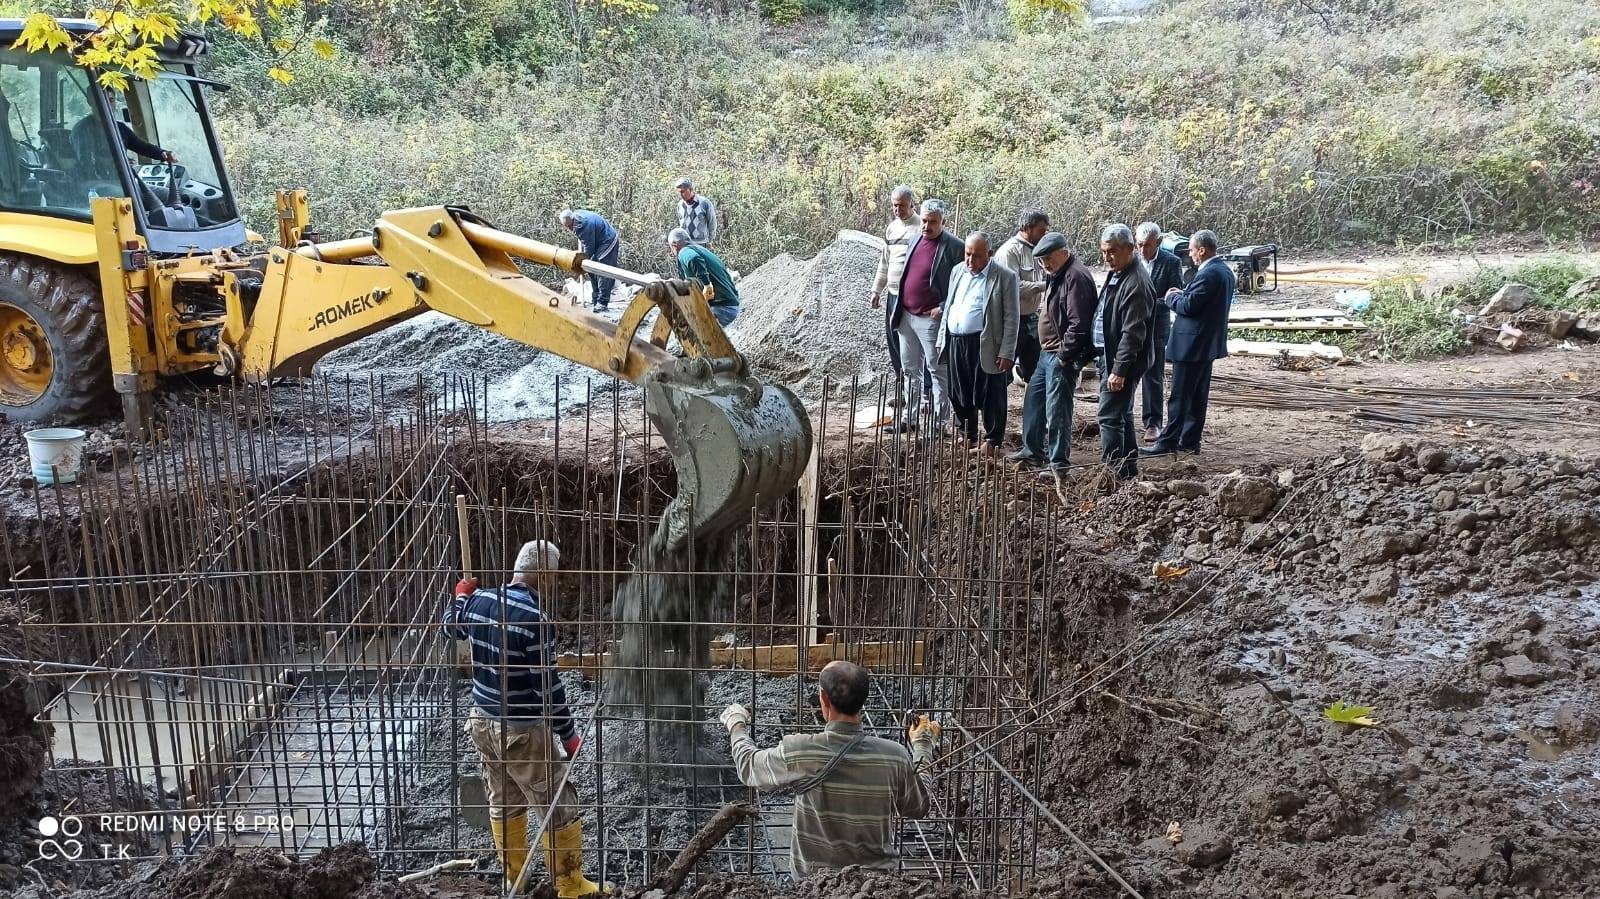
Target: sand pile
(803, 320)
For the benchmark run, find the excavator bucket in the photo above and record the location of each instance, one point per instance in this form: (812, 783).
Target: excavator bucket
(733, 439)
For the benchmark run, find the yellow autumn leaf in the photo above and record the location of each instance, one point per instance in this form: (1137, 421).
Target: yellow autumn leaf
(322, 48)
(283, 45)
(1571, 376)
(1340, 713)
(1169, 570)
(282, 76)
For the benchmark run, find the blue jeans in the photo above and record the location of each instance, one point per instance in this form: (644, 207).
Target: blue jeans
(600, 288)
(1047, 410)
(724, 313)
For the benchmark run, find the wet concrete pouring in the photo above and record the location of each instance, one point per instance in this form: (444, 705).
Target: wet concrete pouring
(1450, 586)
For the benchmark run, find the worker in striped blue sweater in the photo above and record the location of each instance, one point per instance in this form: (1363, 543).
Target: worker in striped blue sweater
(519, 712)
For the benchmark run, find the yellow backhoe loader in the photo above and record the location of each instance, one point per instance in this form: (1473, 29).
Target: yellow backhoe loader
(115, 274)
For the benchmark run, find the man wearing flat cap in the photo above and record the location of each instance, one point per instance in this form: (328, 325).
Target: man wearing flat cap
(1066, 344)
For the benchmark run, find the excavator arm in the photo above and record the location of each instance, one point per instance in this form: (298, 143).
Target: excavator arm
(734, 439)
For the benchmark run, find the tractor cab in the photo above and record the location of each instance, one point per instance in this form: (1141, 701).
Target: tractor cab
(67, 141)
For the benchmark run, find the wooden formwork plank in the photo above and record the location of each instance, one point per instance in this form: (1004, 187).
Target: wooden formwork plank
(780, 658)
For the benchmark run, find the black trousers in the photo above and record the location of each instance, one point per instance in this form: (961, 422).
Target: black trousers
(1028, 345)
(1186, 411)
(892, 302)
(1119, 445)
(1160, 328)
(974, 391)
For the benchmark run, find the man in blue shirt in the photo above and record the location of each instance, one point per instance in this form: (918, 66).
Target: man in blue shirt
(700, 264)
(599, 242)
(519, 710)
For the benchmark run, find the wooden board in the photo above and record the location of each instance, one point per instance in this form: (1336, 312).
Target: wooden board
(1293, 350)
(1305, 324)
(1256, 313)
(215, 764)
(781, 658)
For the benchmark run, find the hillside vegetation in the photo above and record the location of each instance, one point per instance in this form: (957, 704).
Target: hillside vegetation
(1308, 122)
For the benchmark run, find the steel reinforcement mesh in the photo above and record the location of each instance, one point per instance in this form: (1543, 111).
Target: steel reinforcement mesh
(235, 632)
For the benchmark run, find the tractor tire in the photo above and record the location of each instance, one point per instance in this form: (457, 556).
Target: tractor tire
(52, 313)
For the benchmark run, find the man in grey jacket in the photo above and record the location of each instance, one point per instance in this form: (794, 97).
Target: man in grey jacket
(1017, 254)
(1122, 323)
(978, 341)
(696, 214)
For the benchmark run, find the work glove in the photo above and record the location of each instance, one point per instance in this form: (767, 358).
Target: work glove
(924, 732)
(466, 586)
(734, 716)
(571, 745)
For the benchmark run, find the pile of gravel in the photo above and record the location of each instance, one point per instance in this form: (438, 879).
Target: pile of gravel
(805, 320)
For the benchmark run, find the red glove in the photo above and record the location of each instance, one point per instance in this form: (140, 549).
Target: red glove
(466, 586)
(571, 746)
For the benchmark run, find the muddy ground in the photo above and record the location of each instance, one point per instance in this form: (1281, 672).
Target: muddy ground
(1447, 575)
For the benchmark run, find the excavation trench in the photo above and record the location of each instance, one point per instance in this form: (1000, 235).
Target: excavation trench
(246, 653)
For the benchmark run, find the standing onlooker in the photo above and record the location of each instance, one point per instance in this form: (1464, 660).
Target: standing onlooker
(599, 242)
(1199, 338)
(1166, 274)
(1017, 254)
(979, 340)
(1066, 338)
(897, 238)
(703, 265)
(924, 283)
(1121, 322)
(697, 215)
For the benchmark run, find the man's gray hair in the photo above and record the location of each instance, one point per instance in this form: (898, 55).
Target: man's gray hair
(1117, 234)
(684, 182)
(931, 206)
(538, 555)
(679, 237)
(1032, 218)
(1147, 230)
(1205, 238)
(980, 235)
(902, 190)
(567, 216)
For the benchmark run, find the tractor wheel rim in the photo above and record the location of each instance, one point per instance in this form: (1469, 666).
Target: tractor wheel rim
(25, 360)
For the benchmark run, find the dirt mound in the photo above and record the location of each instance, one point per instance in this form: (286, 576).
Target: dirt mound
(1402, 519)
(803, 320)
(346, 871)
(1451, 589)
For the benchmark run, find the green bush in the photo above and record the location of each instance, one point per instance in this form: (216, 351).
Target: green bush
(1549, 279)
(1408, 324)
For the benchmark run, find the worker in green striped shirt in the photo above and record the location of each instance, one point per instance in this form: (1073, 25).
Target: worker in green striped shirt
(848, 785)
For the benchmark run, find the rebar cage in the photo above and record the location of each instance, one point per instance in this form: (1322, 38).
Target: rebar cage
(236, 632)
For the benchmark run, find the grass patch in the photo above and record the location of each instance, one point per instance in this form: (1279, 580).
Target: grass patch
(1408, 324)
(1549, 279)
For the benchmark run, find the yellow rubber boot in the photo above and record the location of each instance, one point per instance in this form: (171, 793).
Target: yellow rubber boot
(563, 857)
(511, 843)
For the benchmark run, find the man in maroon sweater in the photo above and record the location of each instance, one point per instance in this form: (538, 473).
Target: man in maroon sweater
(924, 282)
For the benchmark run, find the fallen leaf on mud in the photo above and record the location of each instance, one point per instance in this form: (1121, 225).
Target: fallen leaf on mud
(1169, 570)
(1175, 832)
(1085, 507)
(1571, 376)
(1350, 714)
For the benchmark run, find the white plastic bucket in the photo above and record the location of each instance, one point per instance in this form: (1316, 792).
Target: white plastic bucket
(61, 448)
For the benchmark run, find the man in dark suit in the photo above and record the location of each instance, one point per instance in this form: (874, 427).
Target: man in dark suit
(1166, 273)
(1122, 323)
(924, 284)
(1199, 338)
